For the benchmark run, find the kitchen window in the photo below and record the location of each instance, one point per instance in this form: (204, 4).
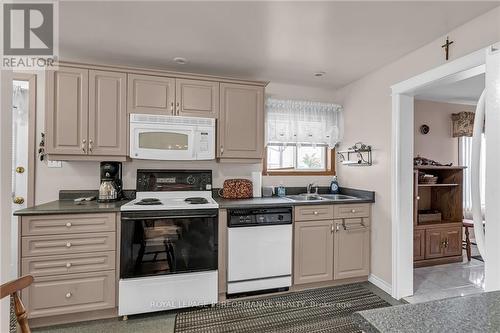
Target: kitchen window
(301, 137)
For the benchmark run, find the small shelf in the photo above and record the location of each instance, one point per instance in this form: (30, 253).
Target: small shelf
(439, 167)
(437, 185)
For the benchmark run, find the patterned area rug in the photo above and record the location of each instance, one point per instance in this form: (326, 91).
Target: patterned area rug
(312, 311)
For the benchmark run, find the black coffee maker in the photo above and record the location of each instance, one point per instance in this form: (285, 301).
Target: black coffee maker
(111, 182)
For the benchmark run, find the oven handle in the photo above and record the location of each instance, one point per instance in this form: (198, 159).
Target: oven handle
(166, 217)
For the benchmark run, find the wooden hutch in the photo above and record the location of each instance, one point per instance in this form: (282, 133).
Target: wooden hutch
(438, 240)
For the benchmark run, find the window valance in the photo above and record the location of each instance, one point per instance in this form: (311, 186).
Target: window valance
(303, 122)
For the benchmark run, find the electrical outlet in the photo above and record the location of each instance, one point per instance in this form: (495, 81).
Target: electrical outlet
(54, 164)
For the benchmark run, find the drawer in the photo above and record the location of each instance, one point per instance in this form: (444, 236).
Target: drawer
(316, 212)
(67, 224)
(351, 210)
(68, 263)
(56, 295)
(67, 244)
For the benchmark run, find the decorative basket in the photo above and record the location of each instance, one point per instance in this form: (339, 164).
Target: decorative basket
(427, 179)
(237, 189)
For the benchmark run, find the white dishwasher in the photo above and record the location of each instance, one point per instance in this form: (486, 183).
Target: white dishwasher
(259, 249)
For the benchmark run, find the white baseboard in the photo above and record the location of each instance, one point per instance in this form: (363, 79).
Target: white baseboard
(380, 283)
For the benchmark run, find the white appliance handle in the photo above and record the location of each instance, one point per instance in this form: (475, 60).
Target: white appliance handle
(475, 171)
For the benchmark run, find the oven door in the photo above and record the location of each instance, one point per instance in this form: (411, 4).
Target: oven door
(159, 242)
(162, 142)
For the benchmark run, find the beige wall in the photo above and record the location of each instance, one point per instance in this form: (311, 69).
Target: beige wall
(367, 105)
(85, 175)
(438, 144)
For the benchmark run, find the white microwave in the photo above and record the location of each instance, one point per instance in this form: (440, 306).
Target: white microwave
(171, 138)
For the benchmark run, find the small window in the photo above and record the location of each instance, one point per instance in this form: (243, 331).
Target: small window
(299, 159)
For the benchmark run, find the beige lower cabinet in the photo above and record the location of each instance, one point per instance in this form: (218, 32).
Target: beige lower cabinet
(72, 258)
(351, 255)
(313, 255)
(331, 242)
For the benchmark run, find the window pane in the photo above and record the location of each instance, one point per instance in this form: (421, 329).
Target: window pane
(311, 158)
(280, 157)
(163, 140)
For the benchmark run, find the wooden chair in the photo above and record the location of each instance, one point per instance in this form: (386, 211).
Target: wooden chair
(12, 288)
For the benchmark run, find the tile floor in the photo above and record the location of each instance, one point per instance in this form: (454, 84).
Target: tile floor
(450, 280)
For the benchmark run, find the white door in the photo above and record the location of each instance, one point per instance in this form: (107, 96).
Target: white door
(492, 184)
(20, 148)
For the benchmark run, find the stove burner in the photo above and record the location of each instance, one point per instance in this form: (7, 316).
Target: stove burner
(196, 200)
(149, 201)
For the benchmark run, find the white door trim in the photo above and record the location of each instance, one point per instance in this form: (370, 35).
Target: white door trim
(402, 160)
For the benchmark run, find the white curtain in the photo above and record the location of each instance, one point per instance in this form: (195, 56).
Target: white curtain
(465, 153)
(303, 122)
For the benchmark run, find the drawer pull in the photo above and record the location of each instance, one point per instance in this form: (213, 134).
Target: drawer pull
(315, 213)
(68, 224)
(68, 244)
(68, 295)
(68, 265)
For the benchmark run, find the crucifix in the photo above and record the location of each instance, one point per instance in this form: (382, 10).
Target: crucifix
(446, 47)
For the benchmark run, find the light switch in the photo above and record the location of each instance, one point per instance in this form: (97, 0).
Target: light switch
(54, 164)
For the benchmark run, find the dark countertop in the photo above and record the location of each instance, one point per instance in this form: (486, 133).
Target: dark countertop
(71, 207)
(66, 205)
(473, 313)
(361, 195)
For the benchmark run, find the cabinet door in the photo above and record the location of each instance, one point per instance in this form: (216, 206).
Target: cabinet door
(66, 116)
(433, 243)
(107, 113)
(313, 251)
(197, 98)
(453, 237)
(241, 121)
(351, 249)
(150, 94)
(418, 244)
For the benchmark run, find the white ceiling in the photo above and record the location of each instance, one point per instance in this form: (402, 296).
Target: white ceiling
(461, 92)
(276, 41)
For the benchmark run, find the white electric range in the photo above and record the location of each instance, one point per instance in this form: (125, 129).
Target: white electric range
(169, 243)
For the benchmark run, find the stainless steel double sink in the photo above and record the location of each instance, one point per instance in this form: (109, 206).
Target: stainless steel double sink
(319, 197)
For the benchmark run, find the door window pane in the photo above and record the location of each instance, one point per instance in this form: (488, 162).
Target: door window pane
(163, 141)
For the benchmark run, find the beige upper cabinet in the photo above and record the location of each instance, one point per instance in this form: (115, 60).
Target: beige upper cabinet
(352, 248)
(151, 94)
(66, 121)
(241, 122)
(107, 113)
(197, 98)
(86, 113)
(313, 251)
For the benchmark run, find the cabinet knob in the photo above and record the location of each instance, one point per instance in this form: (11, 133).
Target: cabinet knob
(90, 145)
(315, 213)
(418, 197)
(68, 265)
(353, 210)
(221, 150)
(83, 145)
(68, 224)
(68, 244)
(68, 295)
(18, 200)
(172, 107)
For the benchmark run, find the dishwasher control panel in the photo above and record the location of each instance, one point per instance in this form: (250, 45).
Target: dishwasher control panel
(258, 217)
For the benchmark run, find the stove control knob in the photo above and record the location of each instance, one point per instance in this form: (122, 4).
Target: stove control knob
(190, 179)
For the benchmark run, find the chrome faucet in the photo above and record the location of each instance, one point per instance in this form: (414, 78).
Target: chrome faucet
(309, 188)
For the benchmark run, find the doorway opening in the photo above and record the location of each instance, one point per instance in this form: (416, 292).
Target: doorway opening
(23, 152)
(447, 262)
(403, 96)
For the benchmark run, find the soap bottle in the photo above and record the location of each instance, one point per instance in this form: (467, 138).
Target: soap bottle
(334, 186)
(281, 190)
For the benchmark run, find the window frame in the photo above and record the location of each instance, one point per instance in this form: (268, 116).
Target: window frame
(330, 167)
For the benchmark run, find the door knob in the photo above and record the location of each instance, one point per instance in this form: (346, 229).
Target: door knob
(18, 200)
(20, 169)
